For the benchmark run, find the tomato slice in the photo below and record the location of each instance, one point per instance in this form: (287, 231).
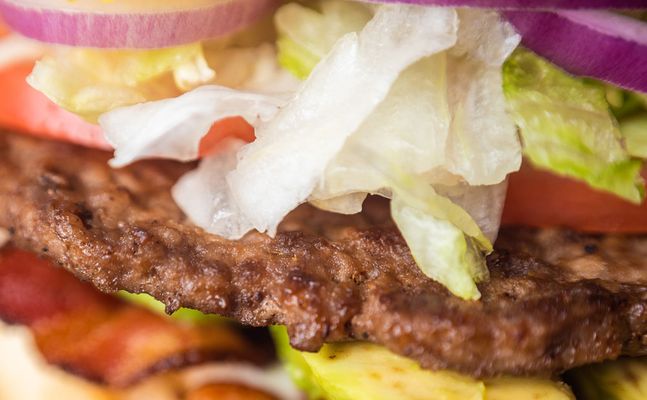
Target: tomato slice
(542, 199)
(4, 30)
(26, 110)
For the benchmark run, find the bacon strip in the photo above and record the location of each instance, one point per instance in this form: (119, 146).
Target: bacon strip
(99, 337)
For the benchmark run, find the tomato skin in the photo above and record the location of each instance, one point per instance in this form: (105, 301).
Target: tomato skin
(542, 199)
(4, 30)
(26, 110)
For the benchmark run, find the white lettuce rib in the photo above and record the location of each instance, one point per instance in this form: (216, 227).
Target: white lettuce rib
(173, 128)
(283, 166)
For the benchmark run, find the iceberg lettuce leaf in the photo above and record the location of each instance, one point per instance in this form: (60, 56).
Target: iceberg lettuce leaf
(634, 130)
(250, 84)
(483, 147)
(204, 195)
(567, 127)
(307, 35)
(173, 128)
(437, 130)
(291, 152)
(441, 249)
(90, 82)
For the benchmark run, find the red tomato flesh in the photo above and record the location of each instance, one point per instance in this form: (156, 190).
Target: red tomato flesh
(4, 30)
(26, 110)
(542, 199)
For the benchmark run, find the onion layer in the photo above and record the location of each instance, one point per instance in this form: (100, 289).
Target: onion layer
(140, 29)
(528, 4)
(597, 44)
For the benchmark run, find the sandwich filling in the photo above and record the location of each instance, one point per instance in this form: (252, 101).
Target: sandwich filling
(554, 300)
(339, 168)
(431, 107)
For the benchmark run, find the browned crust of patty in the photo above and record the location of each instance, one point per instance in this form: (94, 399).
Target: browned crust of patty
(327, 277)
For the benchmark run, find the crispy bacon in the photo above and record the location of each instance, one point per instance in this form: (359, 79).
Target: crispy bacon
(100, 337)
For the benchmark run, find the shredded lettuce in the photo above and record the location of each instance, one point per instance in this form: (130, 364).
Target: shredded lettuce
(90, 82)
(634, 130)
(252, 68)
(307, 35)
(624, 103)
(204, 194)
(436, 122)
(567, 127)
(173, 128)
(291, 152)
(384, 111)
(444, 239)
(630, 109)
(467, 130)
(443, 252)
(408, 130)
(483, 203)
(250, 84)
(437, 129)
(483, 146)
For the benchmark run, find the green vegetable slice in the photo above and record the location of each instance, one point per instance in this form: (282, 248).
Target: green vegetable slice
(307, 35)
(527, 389)
(624, 379)
(634, 130)
(183, 314)
(90, 82)
(567, 127)
(363, 371)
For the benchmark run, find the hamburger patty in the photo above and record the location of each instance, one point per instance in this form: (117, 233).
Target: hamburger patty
(327, 277)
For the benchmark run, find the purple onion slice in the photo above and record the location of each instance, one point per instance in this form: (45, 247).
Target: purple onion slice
(138, 28)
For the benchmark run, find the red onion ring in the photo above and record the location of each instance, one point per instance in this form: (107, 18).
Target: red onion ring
(528, 4)
(137, 30)
(597, 44)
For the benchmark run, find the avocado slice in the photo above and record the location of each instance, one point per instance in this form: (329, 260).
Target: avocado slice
(295, 364)
(183, 314)
(508, 388)
(624, 379)
(353, 371)
(363, 371)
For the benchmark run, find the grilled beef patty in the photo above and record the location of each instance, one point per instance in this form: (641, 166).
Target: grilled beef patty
(327, 277)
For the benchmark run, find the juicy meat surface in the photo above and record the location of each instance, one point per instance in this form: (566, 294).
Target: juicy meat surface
(327, 277)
